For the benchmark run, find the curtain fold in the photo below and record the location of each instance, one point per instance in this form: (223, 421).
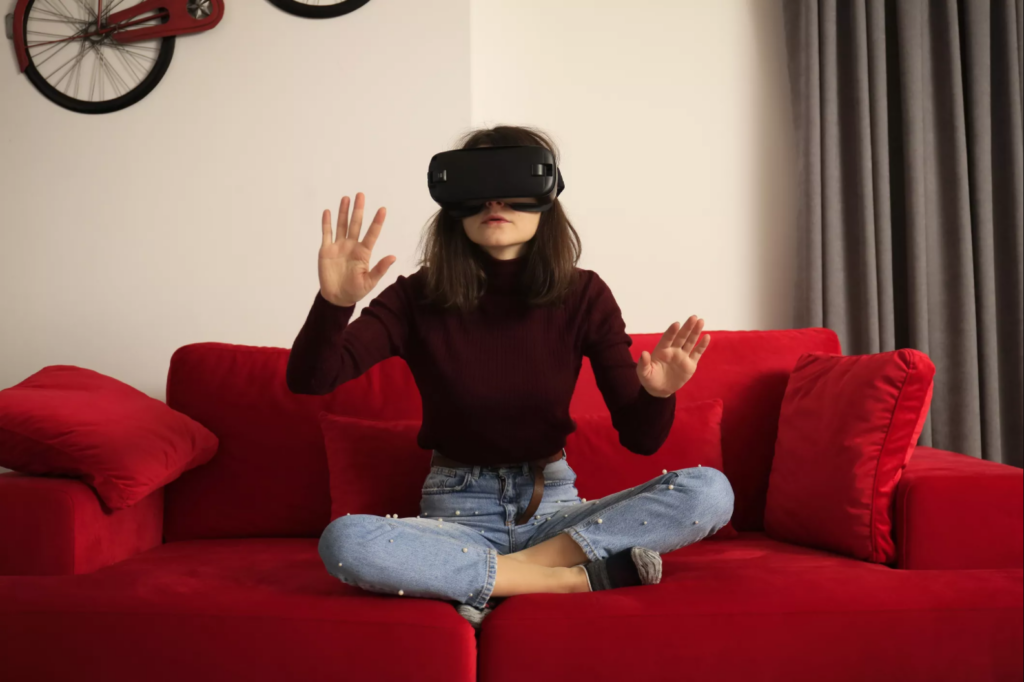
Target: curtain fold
(910, 149)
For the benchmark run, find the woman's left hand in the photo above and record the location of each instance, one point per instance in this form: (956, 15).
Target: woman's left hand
(674, 359)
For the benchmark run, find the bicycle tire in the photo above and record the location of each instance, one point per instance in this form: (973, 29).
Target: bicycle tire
(301, 9)
(145, 87)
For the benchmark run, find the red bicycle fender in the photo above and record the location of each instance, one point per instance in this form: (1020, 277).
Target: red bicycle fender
(179, 23)
(19, 35)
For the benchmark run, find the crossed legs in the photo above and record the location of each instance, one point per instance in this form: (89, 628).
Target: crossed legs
(700, 495)
(549, 566)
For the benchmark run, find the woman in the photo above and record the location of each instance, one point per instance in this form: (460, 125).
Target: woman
(493, 328)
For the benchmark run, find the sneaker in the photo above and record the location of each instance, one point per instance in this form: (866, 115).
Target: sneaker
(648, 565)
(474, 615)
(632, 566)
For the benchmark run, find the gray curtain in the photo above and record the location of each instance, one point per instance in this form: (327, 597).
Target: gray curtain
(910, 148)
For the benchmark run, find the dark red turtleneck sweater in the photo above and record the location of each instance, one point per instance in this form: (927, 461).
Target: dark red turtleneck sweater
(495, 383)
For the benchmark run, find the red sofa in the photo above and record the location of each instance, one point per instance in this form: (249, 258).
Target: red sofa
(217, 576)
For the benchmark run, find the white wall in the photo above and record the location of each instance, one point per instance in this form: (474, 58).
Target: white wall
(670, 115)
(194, 215)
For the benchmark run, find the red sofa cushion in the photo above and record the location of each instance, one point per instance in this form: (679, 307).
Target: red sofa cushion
(265, 609)
(378, 468)
(258, 610)
(375, 467)
(603, 466)
(753, 608)
(70, 421)
(240, 393)
(848, 427)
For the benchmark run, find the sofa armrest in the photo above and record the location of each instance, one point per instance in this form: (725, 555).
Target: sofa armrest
(57, 526)
(954, 511)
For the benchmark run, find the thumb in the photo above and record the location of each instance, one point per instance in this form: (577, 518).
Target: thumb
(381, 268)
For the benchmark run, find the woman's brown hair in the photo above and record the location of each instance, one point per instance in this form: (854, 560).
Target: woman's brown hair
(453, 262)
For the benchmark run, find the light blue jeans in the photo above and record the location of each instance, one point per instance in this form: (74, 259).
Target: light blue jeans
(467, 518)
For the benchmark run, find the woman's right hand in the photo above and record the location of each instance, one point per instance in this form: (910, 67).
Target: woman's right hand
(344, 263)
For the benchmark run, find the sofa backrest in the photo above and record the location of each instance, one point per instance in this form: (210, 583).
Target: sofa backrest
(269, 477)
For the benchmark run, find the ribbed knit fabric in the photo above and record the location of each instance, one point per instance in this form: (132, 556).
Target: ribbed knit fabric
(495, 383)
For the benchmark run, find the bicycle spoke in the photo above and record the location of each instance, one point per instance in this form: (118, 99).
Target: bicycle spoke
(77, 59)
(48, 35)
(55, 21)
(89, 13)
(92, 85)
(112, 75)
(78, 71)
(54, 48)
(55, 12)
(69, 13)
(132, 63)
(90, 73)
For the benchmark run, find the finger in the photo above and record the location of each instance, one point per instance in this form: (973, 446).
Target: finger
(381, 268)
(325, 228)
(701, 347)
(684, 332)
(668, 337)
(357, 216)
(691, 339)
(342, 219)
(373, 231)
(694, 334)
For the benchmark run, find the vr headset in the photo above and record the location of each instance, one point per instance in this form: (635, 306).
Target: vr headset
(462, 180)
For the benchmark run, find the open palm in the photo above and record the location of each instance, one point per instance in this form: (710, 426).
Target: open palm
(343, 264)
(674, 359)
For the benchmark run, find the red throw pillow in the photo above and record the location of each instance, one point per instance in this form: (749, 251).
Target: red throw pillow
(603, 466)
(847, 428)
(376, 467)
(70, 421)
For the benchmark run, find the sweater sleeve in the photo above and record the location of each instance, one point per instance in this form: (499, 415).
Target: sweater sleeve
(642, 420)
(330, 350)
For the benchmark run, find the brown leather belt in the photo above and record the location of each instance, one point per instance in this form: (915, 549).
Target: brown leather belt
(536, 466)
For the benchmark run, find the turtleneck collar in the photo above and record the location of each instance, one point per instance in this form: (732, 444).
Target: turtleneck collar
(503, 276)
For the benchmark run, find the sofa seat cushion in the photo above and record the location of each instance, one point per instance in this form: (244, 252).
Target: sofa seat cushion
(243, 609)
(754, 608)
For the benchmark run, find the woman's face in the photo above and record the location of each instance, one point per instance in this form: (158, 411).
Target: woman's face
(505, 238)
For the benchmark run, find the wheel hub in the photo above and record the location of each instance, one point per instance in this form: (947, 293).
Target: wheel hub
(199, 9)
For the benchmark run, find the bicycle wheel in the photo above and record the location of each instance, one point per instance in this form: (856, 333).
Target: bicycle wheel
(62, 55)
(319, 9)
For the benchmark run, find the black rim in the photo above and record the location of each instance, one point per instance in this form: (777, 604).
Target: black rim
(57, 70)
(319, 9)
